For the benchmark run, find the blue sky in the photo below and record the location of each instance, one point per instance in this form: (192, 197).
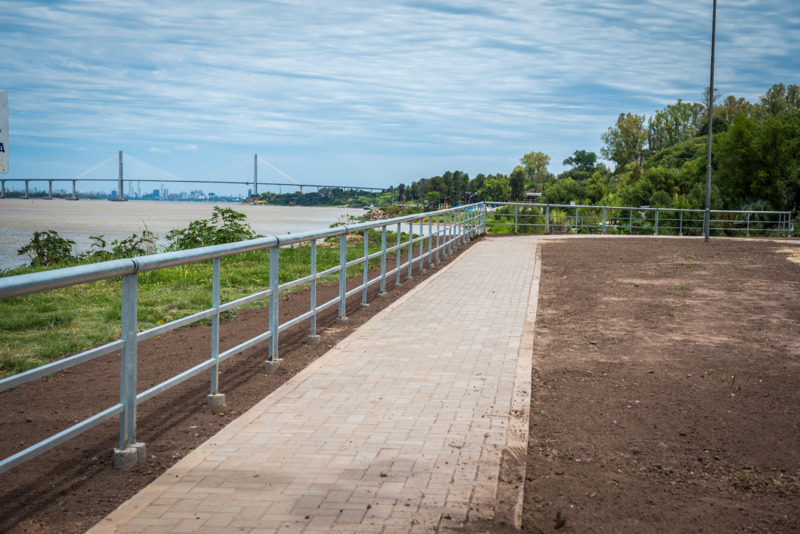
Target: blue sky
(356, 91)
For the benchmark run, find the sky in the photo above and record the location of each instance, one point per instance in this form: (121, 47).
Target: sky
(358, 92)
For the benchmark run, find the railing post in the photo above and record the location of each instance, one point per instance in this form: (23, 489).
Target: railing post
(604, 219)
(747, 234)
(438, 236)
(273, 362)
(680, 231)
(313, 338)
(410, 249)
(421, 246)
(576, 220)
(382, 292)
(366, 270)
(397, 257)
(485, 216)
(445, 240)
(656, 231)
(342, 278)
(129, 451)
(516, 214)
(630, 221)
(547, 219)
(430, 242)
(215, 398)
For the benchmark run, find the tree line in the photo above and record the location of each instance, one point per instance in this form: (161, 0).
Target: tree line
(658, 161)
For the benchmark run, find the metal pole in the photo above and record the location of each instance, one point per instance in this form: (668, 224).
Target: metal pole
(410, 249)
(215, 301)
(680, 231)
(516, 213)
(707, 215)
(366, 269)
(604, 219)
(342, 277)
(421, 247)
(382, 292)
(547, 219)
(127, 435)
(274, 320)
(430, 242)
(656, 231)
(438, 235)
(73, 189)
(313, 337)
(397, 257)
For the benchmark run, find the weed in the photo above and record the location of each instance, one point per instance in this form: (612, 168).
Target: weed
(680, 288)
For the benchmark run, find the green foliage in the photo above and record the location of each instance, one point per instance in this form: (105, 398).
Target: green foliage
(48, 249)
(535, 165)
(625, 141)
(563, 191)
(225, 226)
(495, 189)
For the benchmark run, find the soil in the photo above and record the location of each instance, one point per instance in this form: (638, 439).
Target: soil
(73, 486)
(665, 396)
(665, 388)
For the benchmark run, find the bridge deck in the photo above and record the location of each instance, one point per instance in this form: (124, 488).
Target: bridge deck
(403, 427)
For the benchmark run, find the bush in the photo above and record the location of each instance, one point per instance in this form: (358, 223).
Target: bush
(225, 226)
(48, 248)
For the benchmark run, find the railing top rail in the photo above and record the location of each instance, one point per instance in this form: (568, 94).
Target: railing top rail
(25, 284)
(634, 208)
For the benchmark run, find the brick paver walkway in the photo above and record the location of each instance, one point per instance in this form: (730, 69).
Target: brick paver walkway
(403, 427)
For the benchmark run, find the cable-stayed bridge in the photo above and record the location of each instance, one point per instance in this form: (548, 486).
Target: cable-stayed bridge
(144, 172)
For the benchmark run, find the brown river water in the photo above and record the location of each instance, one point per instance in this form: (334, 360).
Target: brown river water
(77, 220)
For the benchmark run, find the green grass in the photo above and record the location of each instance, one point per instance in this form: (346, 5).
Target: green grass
(39, 328)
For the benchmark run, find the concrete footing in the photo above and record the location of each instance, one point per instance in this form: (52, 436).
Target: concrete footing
(364, 305)
(272, 365)
(383, 295)
(313, 340)
(340, 320)
(216, 399)
(126, 458)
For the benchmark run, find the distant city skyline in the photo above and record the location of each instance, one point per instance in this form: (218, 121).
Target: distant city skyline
(362, 93)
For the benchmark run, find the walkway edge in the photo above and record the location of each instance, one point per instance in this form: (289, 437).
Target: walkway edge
(510, 492)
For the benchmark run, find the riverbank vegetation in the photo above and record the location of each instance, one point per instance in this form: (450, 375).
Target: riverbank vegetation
(39, 328)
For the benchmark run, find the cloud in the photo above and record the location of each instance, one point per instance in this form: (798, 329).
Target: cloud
(437, 78)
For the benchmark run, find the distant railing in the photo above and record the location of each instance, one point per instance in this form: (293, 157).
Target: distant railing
(446, 231)
(513, 217)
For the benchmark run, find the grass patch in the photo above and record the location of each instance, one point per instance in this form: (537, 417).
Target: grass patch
(37, 329)
(680, 288)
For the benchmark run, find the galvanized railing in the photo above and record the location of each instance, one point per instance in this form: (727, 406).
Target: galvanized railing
(446, 231)
(555, 218)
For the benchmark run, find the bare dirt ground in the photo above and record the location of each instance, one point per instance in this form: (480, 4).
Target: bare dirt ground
(70, 488)
(665, 396)
(666, 388)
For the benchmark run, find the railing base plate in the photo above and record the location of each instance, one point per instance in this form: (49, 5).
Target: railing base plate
(272, 365)
(125, 459)
(217, 399)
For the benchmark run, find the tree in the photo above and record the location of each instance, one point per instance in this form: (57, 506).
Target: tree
(780, 99)
(433, 198)
(582, 160)
(625, 142)
(563, 191)
(535, 164)
(517, 183)
(495, 189)
(673, 124)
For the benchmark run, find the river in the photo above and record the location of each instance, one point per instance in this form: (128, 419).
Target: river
(77, 220)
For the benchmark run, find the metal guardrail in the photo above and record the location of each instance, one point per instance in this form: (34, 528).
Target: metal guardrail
(554, 218)
(453, 228)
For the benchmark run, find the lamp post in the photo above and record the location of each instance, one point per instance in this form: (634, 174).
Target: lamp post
(707, 216)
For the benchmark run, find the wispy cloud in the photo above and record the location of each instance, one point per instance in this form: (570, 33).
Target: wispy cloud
(462, 81)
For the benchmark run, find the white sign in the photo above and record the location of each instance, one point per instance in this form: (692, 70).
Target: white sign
(3, 132)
